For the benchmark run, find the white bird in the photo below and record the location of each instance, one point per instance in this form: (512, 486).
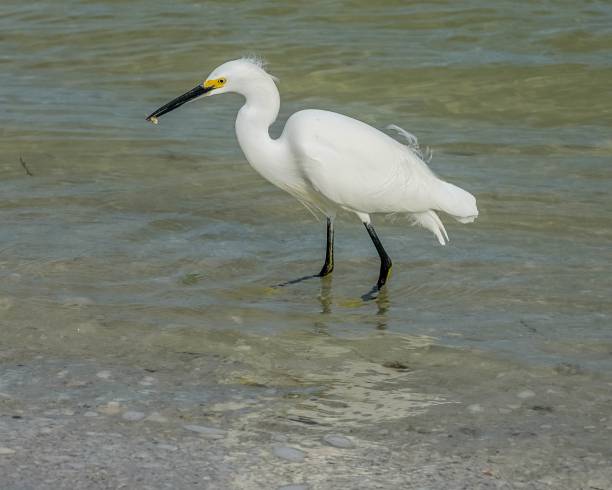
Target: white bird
(329, 161)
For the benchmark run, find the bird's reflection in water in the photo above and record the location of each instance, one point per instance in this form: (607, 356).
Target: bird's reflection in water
(383, 303)
(325, 297)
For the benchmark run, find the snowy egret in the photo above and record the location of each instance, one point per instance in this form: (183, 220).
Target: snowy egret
(329, 161)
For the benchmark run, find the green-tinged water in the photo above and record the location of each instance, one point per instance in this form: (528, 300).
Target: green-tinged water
(136, 245)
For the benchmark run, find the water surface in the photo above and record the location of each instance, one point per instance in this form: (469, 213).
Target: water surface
(138, 243)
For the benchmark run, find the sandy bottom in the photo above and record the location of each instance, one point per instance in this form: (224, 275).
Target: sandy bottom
(408, 415)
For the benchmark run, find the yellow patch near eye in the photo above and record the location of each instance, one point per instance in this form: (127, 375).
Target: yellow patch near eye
(218, 83)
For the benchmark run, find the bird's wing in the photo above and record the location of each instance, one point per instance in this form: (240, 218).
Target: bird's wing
(357, 166)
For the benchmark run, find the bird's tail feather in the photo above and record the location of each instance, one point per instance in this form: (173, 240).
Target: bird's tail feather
(453, 200)
(429, 219)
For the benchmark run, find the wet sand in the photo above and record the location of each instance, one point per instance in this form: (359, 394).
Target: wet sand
(379, 411)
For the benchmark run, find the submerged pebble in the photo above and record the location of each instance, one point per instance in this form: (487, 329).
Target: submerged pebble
(111, 408)
(475, 408)
(339, 441)
(78, 301)
(289, 454)
(157, 417)
(147, 381)
(210, 432)
(133, 416)
(6, 450)
(526, 394)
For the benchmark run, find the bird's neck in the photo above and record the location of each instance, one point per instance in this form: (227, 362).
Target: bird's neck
(260, 110)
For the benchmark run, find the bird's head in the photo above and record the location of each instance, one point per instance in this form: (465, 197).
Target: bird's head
(237, 76)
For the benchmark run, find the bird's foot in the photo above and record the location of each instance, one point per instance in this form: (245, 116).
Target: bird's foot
(327, 269)
(372, 294)
(295, 281)
(382, 280)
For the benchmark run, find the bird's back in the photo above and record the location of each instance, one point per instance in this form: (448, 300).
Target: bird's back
(362, 169)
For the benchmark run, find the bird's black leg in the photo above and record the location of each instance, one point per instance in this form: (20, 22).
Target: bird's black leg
(328, 266)
(385, 260)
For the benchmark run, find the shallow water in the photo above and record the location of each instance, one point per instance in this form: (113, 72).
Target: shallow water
(140, 243)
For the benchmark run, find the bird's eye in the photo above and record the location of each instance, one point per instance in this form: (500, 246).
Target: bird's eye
(221, 80)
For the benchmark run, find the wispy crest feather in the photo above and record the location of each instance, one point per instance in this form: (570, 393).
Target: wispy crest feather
(260, 62)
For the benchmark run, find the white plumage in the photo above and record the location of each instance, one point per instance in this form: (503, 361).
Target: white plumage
(329, 161)
(361, 169)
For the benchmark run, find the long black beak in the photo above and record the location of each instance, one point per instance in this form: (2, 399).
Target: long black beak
(194, 93)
